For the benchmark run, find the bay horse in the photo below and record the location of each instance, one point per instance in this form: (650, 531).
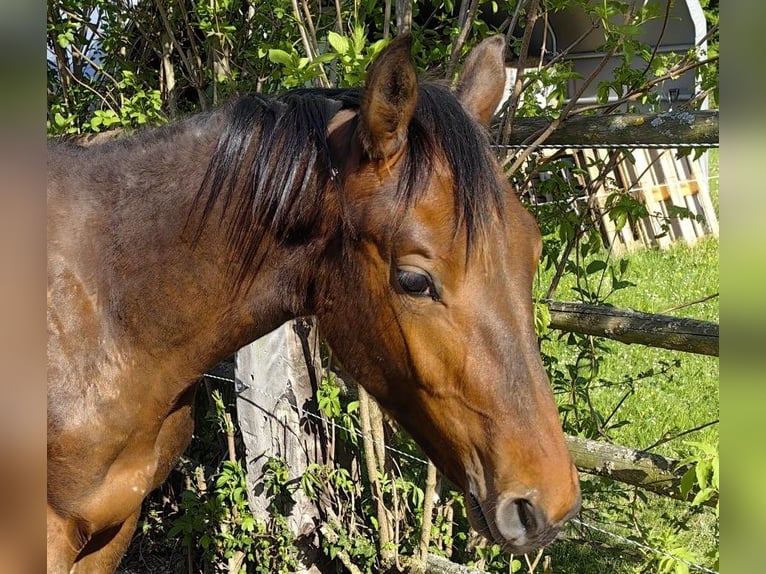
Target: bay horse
(381, 211)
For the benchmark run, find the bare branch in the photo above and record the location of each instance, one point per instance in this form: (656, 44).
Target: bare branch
(513, 101)
(465, 21)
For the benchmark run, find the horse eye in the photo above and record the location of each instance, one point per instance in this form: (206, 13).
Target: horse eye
(415, 283)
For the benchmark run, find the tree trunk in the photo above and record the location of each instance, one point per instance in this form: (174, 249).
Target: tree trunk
(276, 378)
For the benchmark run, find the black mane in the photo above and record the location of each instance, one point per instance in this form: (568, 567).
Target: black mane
(276, 148)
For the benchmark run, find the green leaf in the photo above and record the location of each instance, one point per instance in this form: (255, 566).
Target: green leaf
(542, 317)
(595, 266)
(702, 496)
(702, 470)
(324, 58)
(687, 481)
(65, 39)
(359, 37)
(376, 47)
(339, 43)
(624, 265)
(280, 57)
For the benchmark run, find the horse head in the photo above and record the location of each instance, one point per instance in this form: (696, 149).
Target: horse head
(428, 303)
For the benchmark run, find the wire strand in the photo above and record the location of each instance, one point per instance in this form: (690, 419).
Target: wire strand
(644, 145)
(643, 546)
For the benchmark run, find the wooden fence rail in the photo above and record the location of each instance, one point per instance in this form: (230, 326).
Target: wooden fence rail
(629, 326)
(670, 129)
(646, 470)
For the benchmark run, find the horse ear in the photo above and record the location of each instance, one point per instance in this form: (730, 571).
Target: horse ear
(388, 99)
(482, 79)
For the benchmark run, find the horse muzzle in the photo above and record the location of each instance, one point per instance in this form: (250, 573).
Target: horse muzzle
(518, 524)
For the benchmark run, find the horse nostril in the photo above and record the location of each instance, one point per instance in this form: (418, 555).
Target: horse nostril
(519, 521)
(526, 515)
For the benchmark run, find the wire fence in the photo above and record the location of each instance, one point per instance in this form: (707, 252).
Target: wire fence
(613, 535)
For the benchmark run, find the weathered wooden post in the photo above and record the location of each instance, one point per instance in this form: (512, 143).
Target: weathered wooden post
(276, 379)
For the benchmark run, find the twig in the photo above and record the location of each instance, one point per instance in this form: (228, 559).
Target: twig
(329, 532)
(513, 101)
(428, 506)
(465, 21)
(193, 75)
(657, 43)
(689, 304)
(372, 472)
(679, 435)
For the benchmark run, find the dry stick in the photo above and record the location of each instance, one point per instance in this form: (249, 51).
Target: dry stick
(679, 435)
(543, 51)
(690, 303)
(449, 517)
(527, 83)
(513, 101)
(558, 274)
(670, 74)
(668, 6)
(168, 76)
(315, 44)
(379, 443)
(330, 534)
(193, 44)
(638, 92)
(232, 450)
(565, 52)
(89, 88)
(568, 108)
(307, 45)
(386, 19)
(378, 435)
(63, 69)
(559, 56)
(230, 437)
(193, 75)
(310, 25)
(533, 565)
(372, 472)
(428, 507)
(339, 17)
(514, 21)
(302, 29)
(218, 62)
(95, 65)
(465, 22)
(403, 16)
(524, 155)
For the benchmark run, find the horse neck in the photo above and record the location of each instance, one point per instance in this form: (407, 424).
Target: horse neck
(174, 296)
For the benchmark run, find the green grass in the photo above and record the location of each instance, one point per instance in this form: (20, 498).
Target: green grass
(682, 394)
(687, 396)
